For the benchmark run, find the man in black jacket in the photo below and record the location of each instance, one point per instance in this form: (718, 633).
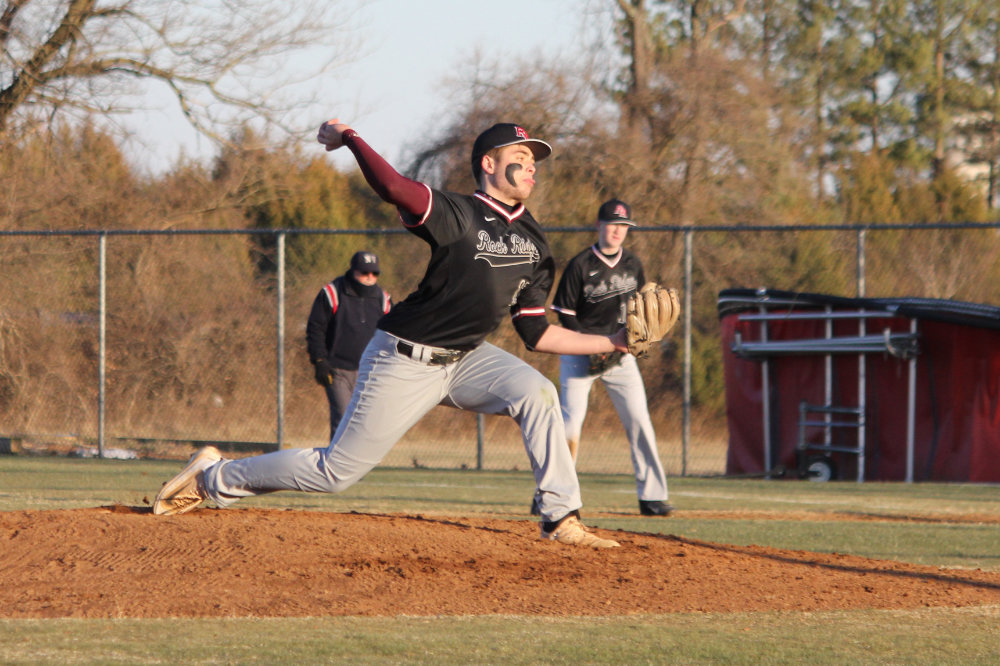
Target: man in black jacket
(341, 323)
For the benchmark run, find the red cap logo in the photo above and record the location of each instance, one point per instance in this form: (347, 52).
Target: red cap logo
(621, 212)
(520, 132)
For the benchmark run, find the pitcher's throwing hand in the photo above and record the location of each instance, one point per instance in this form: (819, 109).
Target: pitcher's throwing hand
(331, 134)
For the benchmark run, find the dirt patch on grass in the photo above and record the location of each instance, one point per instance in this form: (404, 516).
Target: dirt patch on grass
(124, 562)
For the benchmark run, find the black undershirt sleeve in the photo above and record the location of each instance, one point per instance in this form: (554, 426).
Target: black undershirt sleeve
(531, 329)
(568, 321)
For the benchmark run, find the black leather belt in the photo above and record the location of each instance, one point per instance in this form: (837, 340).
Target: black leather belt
(444, 357)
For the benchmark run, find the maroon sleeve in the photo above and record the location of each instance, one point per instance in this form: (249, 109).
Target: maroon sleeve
(409, 195)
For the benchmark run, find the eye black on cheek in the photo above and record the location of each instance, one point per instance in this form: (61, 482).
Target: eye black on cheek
(510, 171)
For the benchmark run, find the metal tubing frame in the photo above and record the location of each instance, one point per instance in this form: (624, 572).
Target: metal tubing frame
(911, 409)
(765, 387)
(813, 316)
(828, 380)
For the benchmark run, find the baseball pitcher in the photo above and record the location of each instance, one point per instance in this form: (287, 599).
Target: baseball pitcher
(489, 260)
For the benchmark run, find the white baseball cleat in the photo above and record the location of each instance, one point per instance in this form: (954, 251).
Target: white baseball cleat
(184, 492)
(572, 533)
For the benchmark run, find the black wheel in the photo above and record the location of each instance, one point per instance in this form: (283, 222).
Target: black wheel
(821, 468)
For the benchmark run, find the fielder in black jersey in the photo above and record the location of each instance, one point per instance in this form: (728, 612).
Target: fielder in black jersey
(592, 297)
(489, 259)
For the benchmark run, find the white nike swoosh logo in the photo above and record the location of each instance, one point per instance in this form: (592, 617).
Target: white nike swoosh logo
(491, 219)
(593, 273)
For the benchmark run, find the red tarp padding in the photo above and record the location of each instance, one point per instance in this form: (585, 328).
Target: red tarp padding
(956, 427)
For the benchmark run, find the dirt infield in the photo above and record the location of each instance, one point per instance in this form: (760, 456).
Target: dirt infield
(123, 562)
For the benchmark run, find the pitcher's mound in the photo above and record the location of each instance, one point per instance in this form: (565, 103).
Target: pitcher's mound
(125, 562)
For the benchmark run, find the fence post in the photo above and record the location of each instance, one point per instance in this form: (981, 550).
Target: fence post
(281, 341)
(686, 410)
(102, 309)
(861, 263)
(480, 437)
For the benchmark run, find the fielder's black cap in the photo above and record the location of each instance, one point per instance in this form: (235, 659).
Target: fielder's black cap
(365, 262)
(506, 134)
(615, 211)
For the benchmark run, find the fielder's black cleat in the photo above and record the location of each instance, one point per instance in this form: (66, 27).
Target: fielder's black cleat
(655, 508)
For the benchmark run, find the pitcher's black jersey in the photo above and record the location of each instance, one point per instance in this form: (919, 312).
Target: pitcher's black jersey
(594, 290)
(486, 259)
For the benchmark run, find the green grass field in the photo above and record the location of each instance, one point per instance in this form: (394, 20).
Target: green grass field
(933, 636)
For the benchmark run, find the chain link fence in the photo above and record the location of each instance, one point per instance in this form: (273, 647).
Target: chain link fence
(151, 343)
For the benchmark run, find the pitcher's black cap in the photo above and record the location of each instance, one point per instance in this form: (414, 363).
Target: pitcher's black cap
(506, 134)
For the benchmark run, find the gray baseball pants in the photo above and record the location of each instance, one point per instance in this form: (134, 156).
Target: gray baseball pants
(628, 394)
(393, 392)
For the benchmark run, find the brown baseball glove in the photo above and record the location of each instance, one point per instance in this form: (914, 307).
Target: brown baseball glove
(599, 363)
(652, 312)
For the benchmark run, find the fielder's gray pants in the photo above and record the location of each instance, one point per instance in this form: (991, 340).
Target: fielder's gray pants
(393, 392)
(628, 394)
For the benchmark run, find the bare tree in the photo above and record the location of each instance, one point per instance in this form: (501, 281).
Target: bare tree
(218, 57)
(637, 106)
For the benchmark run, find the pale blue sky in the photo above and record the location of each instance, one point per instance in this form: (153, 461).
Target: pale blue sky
(407, 49)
